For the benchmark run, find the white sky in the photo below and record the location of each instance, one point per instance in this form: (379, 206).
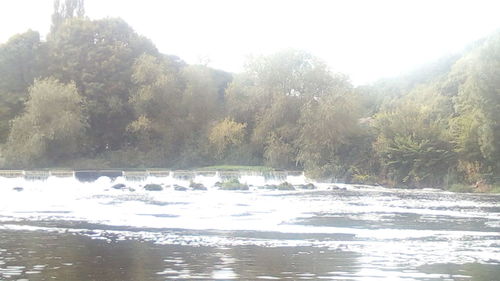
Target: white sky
(365, 39)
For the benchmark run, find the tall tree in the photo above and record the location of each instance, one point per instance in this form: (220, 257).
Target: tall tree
(98, 56)
(66, 10)
(51, 129)
(330, 137)
(226, 135)
(476, 124)
(20, 63)
(155, 99)
(269, 97)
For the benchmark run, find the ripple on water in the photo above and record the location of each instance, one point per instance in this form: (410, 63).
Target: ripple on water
(386, 228)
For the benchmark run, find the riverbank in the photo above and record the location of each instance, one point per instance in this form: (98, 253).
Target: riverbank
(464, 188)
(236, 168)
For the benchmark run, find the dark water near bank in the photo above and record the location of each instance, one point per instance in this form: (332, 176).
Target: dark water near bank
(68, 230)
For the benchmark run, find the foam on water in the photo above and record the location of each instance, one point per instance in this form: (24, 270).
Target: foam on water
(416, 226)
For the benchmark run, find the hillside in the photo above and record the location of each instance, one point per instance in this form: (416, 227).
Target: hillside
(96, 94)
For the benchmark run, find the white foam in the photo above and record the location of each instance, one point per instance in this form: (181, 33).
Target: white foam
(288, 213)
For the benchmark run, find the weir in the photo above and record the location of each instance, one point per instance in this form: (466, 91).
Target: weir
(94, 175)
(135, 175)
(183, 175)
(11, 173)
(62, 174)
(156, 173)
(180, 177)
(36, 175)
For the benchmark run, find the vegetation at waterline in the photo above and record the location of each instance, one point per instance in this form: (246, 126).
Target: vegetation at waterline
(236, 168)
(95, 94)
(232, 184)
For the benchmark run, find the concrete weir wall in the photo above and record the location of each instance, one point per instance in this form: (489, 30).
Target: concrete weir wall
(36, 175)
(138, 175)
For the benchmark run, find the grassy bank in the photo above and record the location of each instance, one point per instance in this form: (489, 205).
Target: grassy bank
(465, 188)
(236, 168)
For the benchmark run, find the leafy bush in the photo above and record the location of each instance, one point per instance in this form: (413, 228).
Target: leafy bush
(412, 146)
(285, 186)
(364, 179)
(460, 188)
(495, 188)
(232, 184)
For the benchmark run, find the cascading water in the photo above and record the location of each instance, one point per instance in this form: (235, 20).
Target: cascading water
(89, 196)
(208, 178)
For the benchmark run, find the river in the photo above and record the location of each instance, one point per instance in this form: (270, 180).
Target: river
(69, 228)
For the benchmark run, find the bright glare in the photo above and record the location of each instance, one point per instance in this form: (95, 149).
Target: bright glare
(365, 39)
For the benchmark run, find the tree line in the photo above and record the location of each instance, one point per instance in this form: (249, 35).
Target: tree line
(97, 94)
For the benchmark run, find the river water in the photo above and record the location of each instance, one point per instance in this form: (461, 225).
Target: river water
(64, 228)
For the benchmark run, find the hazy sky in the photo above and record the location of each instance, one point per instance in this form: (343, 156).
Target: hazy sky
(365, 39)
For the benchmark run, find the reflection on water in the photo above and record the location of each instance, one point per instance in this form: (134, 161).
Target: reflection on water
(62, 229)
(43, 256)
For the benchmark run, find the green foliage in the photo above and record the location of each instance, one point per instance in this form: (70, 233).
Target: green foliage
(461, 188)
(98, 56)
(364, 179)
(198, 109)
(329, 133)
(52, 127)
(280, 94)
(495, 188)
(476, 124)
(226, 134)
(20, 63)
(157, 91)
(412, 147)
(173, 106)
(285, 186)
(105, 97)
(236, 168)
(278, 153)
(233, 184)
(66, 10)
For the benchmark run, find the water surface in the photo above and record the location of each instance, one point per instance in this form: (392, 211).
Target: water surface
(66, 229)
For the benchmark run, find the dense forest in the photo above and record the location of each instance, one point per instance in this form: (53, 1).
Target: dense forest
(95, 94)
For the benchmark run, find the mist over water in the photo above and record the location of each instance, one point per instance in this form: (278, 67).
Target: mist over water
(336, 231)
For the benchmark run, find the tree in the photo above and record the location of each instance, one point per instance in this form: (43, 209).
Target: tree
(155, 102)
(198, 107)
(19, 65)
(174, 107)
(66, 10)
(475, 126)
(330, 136)
(200, 98)
(413, 146)
(225, 135)
(19, 58)
(98, 56)
(52, 127)
(269, 96)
